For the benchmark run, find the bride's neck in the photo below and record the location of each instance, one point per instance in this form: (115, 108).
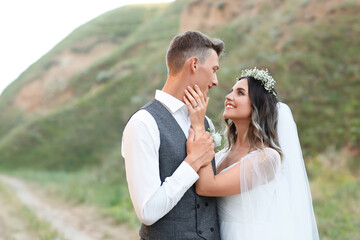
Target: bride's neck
(241, 139)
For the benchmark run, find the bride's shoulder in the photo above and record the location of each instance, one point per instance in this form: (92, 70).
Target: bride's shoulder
(271, 152)
(268, 154)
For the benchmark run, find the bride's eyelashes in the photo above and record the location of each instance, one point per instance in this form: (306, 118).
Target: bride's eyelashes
(240, 92)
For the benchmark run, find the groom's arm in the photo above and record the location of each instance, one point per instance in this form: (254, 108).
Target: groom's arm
(140, 149)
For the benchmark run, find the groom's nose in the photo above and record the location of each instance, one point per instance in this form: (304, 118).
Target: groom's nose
(215, 81)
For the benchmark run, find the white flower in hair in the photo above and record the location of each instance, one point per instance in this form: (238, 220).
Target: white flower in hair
(262, 75)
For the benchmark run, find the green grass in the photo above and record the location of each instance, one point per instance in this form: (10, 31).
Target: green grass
(336, 197)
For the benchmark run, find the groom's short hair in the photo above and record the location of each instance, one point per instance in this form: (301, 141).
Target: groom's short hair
(190, 44)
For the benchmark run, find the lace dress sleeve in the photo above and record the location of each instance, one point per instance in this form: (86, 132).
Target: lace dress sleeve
(259, 168)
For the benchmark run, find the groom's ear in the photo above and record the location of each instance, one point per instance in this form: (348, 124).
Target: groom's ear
(194, 62)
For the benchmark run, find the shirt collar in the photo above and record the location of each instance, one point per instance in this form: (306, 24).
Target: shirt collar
(170, 102)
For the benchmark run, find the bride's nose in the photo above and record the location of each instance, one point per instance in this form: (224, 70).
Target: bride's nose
(229, 96)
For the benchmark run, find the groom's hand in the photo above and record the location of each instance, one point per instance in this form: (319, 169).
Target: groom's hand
(200, 152)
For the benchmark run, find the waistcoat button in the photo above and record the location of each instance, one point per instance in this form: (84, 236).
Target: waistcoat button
(198, 206)
(206, 204)
(211, 229)
(200, 232)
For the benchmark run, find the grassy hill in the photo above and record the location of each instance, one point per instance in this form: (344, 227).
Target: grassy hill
(314, 60)
(90, 126)
(317, 75)
(114, 27)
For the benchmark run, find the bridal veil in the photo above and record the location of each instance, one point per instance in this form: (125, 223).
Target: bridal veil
(275, 194)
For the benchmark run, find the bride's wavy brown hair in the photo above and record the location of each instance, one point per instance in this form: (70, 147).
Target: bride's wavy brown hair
(261, 132)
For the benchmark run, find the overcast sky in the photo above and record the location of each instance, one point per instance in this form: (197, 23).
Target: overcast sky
(30, 28)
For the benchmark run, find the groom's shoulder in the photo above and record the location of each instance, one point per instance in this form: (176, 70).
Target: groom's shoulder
(141, 116)
(141, 123)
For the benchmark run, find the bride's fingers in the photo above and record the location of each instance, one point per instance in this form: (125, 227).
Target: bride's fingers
(195, 95)
(201, 95)
(188, 104)
(190, 98)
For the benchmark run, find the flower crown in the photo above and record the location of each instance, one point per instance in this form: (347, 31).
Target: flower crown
(262, 75)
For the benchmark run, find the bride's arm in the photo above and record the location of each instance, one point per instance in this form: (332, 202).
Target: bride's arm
(223, 184)
(252, 171)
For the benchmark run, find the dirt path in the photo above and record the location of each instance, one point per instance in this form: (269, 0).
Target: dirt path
(14, 221)
(72, 222)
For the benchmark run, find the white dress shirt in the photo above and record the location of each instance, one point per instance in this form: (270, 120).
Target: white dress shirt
(140, 149)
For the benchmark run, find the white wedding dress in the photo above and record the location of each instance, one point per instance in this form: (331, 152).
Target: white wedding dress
(275, 201)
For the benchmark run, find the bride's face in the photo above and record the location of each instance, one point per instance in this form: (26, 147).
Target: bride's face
(238, 103)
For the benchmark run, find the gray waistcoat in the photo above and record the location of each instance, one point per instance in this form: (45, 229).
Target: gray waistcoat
(193, 217)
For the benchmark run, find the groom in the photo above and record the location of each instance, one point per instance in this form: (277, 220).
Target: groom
(160, 173)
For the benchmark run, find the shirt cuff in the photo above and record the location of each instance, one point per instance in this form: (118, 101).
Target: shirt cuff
(187, 174)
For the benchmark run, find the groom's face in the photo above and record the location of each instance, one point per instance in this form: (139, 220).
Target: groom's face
(205, 76)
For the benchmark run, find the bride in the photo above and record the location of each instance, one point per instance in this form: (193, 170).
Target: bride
(261, 182)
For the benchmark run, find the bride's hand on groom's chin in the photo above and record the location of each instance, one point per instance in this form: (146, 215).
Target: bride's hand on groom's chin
(197, 104)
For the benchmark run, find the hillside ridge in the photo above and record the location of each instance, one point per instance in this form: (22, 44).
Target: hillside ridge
(68, 110)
